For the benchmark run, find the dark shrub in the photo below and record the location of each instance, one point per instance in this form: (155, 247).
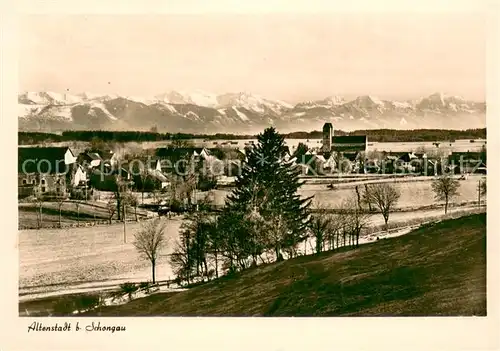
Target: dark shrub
(145, 286)
(176, 206)
(68, 304)
(129, 289)
(87, 302)
(64, 306)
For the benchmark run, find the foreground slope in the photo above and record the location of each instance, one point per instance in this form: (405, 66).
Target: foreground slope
(435, 270)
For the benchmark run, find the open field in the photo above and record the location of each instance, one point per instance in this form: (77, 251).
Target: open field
(415, 192)
(437, 270)
(48, 257)
(89, 212)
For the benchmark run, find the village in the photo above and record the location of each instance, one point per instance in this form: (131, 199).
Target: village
(171, 178)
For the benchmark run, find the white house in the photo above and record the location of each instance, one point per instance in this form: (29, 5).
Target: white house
(80, 176)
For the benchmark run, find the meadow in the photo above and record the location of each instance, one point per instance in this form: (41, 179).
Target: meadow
(415, 193)
(49, 259)
(53, 261)
(72, 214)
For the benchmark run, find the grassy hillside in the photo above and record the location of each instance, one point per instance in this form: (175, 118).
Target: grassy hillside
(435, 270)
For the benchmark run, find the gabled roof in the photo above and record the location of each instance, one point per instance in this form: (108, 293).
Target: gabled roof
(420, 155)
(42, 159)
(321, 158)
(286, 149)
(94, 156)
(349, 139)
(403, 156)
(89, 156)
(139, 164)
(392, 157)
(308, 159)
(104, 155)
(168, 152)
(157, 175)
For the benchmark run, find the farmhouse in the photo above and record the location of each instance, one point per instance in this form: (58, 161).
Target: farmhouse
(181, 152)
(469, 157)
(401, 161)
(123, 172)
(47, 170)
(107, 156)
(106, 178)
(172, 158)
(150, 179)
(310, 164)
(350, 146)
(90, 159)
(138, 165)
(393, 162)
(146, 174)
(468, 162)
(78, 175)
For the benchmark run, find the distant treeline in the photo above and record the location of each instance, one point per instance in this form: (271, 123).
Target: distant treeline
(394, 135)
(118, 136)
(375, 135)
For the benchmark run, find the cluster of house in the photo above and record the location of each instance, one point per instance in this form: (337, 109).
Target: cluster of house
(57, 170)
(348, 154)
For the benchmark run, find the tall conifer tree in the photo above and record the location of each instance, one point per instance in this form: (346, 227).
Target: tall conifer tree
(266, 191)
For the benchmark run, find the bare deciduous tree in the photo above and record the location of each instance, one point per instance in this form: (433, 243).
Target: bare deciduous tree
(38, 200)
(182, 261)
(334, 230)
(481, 190)
(150, 240)
(111, 207)
(356, 218)
(78, 203)
(129, 199)
(134, 202)
(145, 176)
(319, 226)
(60, 203)
(120, 189)
(384, 196)
(445, 188)
(369, 204)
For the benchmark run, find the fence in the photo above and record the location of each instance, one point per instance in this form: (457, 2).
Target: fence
(396, 226)
(82, 224)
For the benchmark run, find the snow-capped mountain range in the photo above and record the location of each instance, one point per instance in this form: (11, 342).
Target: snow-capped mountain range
(202, 112)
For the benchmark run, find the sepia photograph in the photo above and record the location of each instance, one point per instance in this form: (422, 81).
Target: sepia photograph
(251, 165)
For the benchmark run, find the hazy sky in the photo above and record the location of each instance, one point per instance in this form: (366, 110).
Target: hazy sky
(285, 56)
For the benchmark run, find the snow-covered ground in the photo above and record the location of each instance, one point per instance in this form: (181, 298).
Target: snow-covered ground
(59, 262)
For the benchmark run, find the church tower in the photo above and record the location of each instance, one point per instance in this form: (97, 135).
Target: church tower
(327, 137)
